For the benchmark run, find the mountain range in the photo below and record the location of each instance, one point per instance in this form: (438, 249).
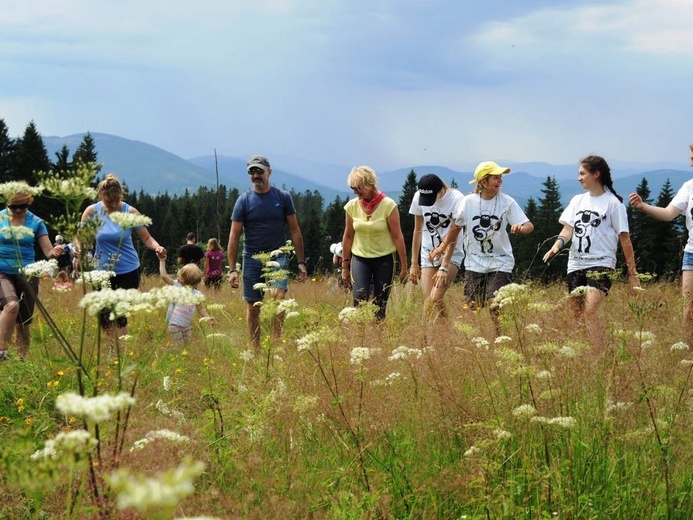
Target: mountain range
(145, 167)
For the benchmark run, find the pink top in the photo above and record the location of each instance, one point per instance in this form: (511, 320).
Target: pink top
(213, 264)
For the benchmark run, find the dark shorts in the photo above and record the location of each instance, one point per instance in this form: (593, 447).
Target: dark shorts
(598, 278)
(480, 287)
(213, 281)
(129, 280)
(252, 274)
(15, 288)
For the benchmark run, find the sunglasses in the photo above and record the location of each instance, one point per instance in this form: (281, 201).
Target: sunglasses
(15, 207)
(357, 189)
(256, 171)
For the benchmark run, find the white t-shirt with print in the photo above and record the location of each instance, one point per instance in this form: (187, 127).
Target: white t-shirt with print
(597, 223)
(486, 241)
(683, 200)
(437, 221)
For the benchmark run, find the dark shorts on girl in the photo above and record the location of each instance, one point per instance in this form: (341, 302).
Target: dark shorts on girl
(597, 277)
(16, 288)
(480, 287)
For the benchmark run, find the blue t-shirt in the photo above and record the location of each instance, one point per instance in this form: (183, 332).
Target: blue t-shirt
(264, 219)
(114, 249)
(16, 252)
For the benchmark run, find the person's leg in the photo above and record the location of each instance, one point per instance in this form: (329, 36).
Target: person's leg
(435, 302)
(28, 291)
(22, 338)
(599, 286)
(495, 281)
(278, 317)
(361, 279)
(9, 302)
(252, 319)
(687, 292)
(383, 273)
(577, 279)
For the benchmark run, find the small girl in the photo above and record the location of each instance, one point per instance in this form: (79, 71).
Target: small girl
(179, 316)
(213, 259)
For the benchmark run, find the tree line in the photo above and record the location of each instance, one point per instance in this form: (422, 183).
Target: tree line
(207, 212)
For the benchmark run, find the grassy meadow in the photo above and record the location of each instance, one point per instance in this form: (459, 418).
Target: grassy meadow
(347, 418)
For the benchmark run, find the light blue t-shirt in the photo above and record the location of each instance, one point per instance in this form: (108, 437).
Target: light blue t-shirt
(114, 249)
(264, 219)
(18, 251)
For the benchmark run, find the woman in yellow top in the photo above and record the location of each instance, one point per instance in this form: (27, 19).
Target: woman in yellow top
(371, 237)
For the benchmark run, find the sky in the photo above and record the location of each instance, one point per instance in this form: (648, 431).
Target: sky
(388, 83)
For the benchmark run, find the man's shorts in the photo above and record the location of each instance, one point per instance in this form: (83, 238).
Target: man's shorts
(252, 274)
(687, 261)
(480, 287)
(15, 288)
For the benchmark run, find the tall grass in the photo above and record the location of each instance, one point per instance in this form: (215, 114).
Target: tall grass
(349, 418)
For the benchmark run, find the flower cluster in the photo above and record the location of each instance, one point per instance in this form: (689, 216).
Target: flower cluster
(41, 269)
(564, 422)
(360, 354)
(9, 190)
(509, 294)
(165, 490)
(525, 410)
(98, 279)
(123, 302)
(77, 442)
(16, 233)
(127, 220)
(72, 188)
(166, 435)
(96, 409)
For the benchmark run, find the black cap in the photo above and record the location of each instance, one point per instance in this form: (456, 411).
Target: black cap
(429, 186)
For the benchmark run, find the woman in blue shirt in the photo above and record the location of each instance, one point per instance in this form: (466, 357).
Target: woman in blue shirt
(114, 249)
(20, 230)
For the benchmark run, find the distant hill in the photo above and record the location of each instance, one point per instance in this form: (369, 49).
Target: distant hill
(146, 167)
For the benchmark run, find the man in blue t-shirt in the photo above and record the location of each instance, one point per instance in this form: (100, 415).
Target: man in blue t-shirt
(262, 215)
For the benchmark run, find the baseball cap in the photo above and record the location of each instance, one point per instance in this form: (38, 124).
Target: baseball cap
(487, 168)
(258, 161)
(429, 186)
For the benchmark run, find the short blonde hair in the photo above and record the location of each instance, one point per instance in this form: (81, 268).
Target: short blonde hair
(190, 275)
(362, 176)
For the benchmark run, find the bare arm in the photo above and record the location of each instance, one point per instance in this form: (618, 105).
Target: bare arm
(666, 214)
(395, 228)
(629, 254)
(48, 250)
(347, 243)
(522, 229)
(232, 250)
(415, 270)
(203, 312)
(297, 241)
(162, 270)
(450, 238)
(562, 239)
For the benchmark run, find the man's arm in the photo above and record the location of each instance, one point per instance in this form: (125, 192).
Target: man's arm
(232, 250)
(297, 241)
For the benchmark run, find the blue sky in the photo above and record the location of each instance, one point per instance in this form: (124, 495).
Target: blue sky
(390, 83)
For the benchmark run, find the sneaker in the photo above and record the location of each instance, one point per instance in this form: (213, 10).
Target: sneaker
(4, 355)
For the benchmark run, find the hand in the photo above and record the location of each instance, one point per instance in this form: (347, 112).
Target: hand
(346, 277)
(160, 252)
(440, 279)
(634, 282)
(516, 229)
(233, 279)
(435, 254)
(414, 274)
(302, 273)
(212, 321)
(550, 254)
(403, 275)
(636, 201)
(57, 251)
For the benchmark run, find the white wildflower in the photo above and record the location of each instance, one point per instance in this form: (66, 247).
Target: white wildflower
(273, 264)
(544, 374)
(567, 352)
(679, 346)
(162, 407)
(276, 253)
(10, 190)
(125, 337)
(292, 314)
(246, 355)
(16, 233)
(391, 378)
(127, 220)
(288, 304)
(165, 490)
(686, 362)
(481, 342)
(403, 352)
(260, 286)
(618, 406)
(360, 354)
(644, 335)
(167, 383)
(580, 291)
(215, 335)
(565, 422)
(502, 339)
(96, 409)
(346, 313)
(97, 278)
(41, 269)
(75, 442)
(502, 434)
(309, 340)
(72, 188)
(213, 307)
(525, 410)
(539, 419)
(473, 451)
(533, 327)
(205, 319)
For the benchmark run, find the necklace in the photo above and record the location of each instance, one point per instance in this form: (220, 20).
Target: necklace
(486, 211)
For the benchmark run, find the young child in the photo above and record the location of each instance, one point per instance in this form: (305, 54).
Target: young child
(180, 316)
(213, 260)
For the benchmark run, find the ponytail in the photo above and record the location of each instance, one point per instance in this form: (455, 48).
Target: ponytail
(593, 164)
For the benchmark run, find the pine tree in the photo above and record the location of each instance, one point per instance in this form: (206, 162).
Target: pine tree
(7, 154)
(31, 156)
(62, 164)
(406, 220)
(334, 224)
(86, 152)
(525, 248)
(546, 228)
(642, 232)
(670, 237)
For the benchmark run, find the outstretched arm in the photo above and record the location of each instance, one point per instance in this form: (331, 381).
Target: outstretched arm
(666, 214)
(562, 239)
(162, 269)
(629, 254)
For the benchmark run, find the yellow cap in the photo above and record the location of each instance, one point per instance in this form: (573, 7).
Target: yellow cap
(487, 168)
